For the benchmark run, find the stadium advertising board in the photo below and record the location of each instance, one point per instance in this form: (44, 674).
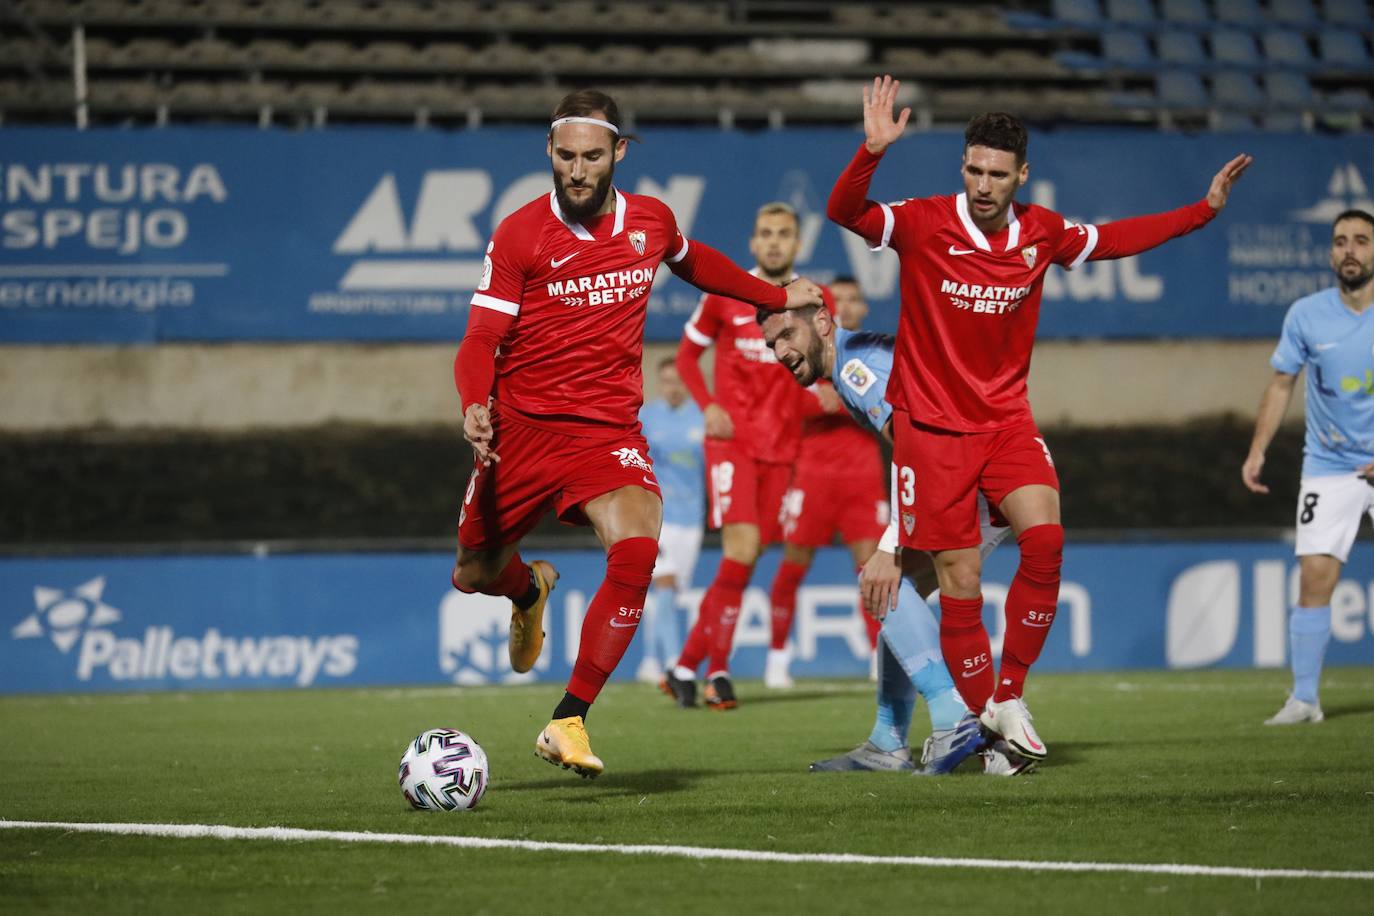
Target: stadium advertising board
(139, 236)
(312, 620)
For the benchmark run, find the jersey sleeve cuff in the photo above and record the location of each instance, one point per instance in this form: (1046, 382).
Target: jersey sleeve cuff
(695, 336)
(500, 305)
(681, 253)
(1088, 247)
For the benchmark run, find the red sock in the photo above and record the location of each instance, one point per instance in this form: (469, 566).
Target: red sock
(1031, 604)
(512, 582)
(964, 644)
(613, 616)
(784, 599)
(732, 580)
(723, 595)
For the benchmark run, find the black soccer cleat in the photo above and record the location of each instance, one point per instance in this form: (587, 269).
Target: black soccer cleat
(720, 693)
(683, 692)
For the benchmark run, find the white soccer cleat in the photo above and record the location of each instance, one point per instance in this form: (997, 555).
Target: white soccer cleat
(775, 673)
(1000, 760)
(649, 672)
(1012, 720)
(1295, 712)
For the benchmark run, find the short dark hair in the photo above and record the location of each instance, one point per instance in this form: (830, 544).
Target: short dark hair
(804, 312)
(667, 361)
(997, 130)
(1354, 213)
(583, 103)
(844, 278)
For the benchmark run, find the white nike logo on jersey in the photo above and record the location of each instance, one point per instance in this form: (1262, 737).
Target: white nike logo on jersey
(623, 626)
(742, 319)
(975, 671)
(555, 263)
(1321, 347)
(953, 250)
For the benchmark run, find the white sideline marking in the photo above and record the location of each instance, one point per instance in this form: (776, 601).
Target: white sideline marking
(289, 834)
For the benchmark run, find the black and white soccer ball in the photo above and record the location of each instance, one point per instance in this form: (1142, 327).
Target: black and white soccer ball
(444, 770)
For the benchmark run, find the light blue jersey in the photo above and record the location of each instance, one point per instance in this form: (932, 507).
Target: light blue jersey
(863, 364)
(1337, 347)
(675, 447)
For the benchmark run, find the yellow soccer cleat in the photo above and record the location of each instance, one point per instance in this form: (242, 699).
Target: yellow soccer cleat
(564, 743)
(527, 627)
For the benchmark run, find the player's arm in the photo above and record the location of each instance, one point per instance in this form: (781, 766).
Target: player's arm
(1273, 405)
(881, 575)
(710, 271)
(849, 205)
(688, 361)
(1127, 237)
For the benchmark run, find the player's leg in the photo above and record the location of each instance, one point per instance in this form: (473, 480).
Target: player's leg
(501, 504)
(1328, 518)
(886, 747)
(796, 561)
(661, 640)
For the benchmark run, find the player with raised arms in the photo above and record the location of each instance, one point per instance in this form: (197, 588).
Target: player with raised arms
(893, 582)
(550, 377)
(972, 272)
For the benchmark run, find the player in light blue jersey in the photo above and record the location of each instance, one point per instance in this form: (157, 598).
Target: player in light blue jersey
(1331, 333)
(675, 430)
(859, 363)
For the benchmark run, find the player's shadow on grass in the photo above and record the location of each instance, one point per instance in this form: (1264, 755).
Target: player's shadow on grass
(622, 783)
(1348, 709)
(795, 696)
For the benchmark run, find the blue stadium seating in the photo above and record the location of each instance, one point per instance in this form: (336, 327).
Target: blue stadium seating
(1239, 12)
(1126, 49)
(1286, 48)
(1186, 13)
(1234, 48)
(1137, 13)
(1181, 90)
(1232, 89)
(1288, 90)
(1082, 13)
(1181, 49)
(1293, 12)
(1347, 12)
(1343, 49)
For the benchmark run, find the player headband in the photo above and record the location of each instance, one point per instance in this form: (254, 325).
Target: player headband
(597, 121)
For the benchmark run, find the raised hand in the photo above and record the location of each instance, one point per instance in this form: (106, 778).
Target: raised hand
(1221, 182)
(880, 129)
(477, 430)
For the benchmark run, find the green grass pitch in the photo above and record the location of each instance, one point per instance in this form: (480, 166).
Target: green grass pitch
(1144, 768)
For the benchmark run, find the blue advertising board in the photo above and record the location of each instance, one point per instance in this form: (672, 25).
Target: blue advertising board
(113, 623)
(179, 234)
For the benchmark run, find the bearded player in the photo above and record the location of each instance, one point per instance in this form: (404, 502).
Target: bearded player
(972, 270)
(552, 417)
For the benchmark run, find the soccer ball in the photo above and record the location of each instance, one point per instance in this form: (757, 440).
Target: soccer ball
(443, 770)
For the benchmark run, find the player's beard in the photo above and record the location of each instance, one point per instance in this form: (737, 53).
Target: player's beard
(578, 212)
(815, 352)
(1352, 282)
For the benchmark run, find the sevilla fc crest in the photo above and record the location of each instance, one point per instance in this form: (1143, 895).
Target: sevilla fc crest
(637, 240)
(908, 522)
(1028, 255)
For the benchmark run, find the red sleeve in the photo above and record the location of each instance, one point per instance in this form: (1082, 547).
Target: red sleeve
(474, 368)
(709, 270)
(850, 207)
(1126, 237)
(689, 370)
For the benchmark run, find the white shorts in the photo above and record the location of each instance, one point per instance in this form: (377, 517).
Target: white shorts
(678, 547)
(1329, 511)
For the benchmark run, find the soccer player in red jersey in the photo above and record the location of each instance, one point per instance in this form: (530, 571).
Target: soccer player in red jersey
(753, 433)
(839, 487)
(972, 269)
(553, 416)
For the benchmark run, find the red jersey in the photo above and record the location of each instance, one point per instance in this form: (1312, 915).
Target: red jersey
(759, 393)
(971, 301)
(579, 293)
(834, 440)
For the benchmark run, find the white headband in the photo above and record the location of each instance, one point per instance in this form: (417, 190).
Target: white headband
(597, 121)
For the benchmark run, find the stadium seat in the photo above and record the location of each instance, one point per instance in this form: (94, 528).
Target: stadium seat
(1135, 13)
(1286, 48)
(1233, 48)
(1184, 13)
(1288, 90)
(1236, 90)
(1126, 49)
(1231, 122)
(1351, 99)
(1283, 121)
(1180, 49)
(1080, 13)
(1293, 12)
(1181, 90)
(1239, 12)
(1346, 12)
(1343, 49)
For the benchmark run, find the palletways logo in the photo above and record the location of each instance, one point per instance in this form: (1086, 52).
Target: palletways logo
(79, 622)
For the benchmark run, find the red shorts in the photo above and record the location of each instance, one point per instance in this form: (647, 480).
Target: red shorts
(541, 470)
(940, 474)
(824, 500)
(744, 490)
